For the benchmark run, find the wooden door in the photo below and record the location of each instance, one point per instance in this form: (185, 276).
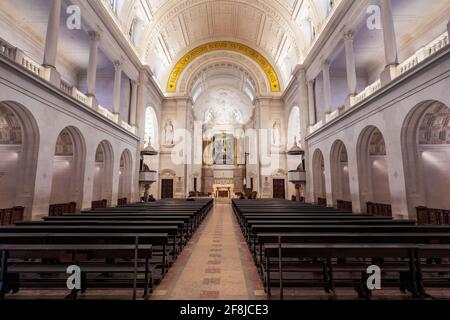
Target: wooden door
(278, 189)
(166, 189)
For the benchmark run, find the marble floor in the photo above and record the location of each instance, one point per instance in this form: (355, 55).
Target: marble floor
(216, 264)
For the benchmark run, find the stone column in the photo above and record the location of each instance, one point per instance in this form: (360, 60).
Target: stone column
(351, 66)
(51, 42)
(390, 42)
(133, 103)
(311, 103)
(92, 68)
(326, 86)
(141, 106)
(117, 89)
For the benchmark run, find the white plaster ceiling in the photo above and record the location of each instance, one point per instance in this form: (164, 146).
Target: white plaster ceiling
(272, 27)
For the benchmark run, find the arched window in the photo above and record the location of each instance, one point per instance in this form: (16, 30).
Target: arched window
(150, 127)
(132, 31)
(294, 130)
(331, 4)
(113, 5)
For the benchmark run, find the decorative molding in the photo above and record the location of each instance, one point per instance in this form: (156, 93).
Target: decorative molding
(227, 46)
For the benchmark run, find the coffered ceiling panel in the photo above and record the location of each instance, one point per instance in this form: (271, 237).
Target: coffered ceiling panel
(197, 23)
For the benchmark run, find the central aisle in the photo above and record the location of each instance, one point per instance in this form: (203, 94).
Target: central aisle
(216, 264)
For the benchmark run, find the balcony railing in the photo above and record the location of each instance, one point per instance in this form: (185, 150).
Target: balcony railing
(369, 90)
(419, 56)
(423, 53)
(296, 176)
(16, 55)
(147, 176)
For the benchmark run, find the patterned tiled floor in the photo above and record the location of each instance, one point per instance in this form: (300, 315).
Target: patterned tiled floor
(216, 264)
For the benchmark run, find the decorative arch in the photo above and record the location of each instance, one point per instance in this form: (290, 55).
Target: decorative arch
(125, 175)
(19, 146)
(181, 65)
(68, 167)
(151, 128)
(426, 155)
(294, 127)
(340, 183)
(318, 167)
(372, 167)
(104, 164)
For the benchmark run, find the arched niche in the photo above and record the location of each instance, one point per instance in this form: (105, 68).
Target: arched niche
(125, 175)
(373, 167)
(68, 167)
(19, 145)
(151, 128)
(318, 167)
(294, 129)
(104, 162)
(340, 183)
(426, 150)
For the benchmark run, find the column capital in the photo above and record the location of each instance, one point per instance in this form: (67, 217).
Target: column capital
(94, 35)
(310, 82)
(348, 35)
(326, 63)
(118, 65)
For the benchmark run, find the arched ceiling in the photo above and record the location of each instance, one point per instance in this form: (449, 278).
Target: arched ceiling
(166, 30)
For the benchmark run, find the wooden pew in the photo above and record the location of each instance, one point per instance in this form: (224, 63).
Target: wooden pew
(10, 216)
(99, 204)
(181, 225)
(379, 209)
(172, 231)
(344, 205)
(60, 208)
(122, 201)
(398, 258)
(19, 261)
(433, 216)
(159, 241)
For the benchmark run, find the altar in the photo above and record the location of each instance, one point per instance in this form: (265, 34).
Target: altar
(223, 191)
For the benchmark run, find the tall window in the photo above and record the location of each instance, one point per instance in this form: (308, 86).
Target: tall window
(331, 5)
(113, 5)
(149, 132)
(132, 31)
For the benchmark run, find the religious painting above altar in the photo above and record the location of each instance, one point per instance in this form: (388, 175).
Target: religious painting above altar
(224, 153)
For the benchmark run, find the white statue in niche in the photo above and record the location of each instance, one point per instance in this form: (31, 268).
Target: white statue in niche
(276, 134)
(168, 133)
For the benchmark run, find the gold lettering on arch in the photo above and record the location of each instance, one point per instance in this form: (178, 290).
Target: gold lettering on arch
(223, 45)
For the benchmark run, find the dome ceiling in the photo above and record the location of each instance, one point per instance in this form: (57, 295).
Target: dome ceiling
(166, 30)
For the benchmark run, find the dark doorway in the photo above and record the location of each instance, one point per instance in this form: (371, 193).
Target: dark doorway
(166, 189)
(278, 189)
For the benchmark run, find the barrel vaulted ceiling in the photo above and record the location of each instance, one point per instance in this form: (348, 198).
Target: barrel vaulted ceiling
(165, 30)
